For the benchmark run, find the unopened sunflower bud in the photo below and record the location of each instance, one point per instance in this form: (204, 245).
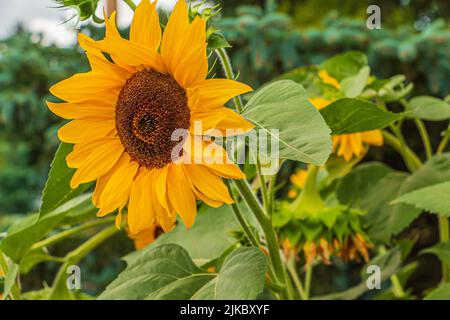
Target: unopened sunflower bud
(85, 8)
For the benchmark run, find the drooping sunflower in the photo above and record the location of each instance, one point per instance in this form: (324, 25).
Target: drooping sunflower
(353, 144)
(124, 113)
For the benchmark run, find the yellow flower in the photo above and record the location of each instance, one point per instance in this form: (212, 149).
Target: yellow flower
(146, 236)
(125, 111)
(298, 179)
(350, 145)
(326, 78)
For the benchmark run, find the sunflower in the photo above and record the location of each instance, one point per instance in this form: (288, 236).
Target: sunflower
(353, 144)
(298, 180)
(124, 113)
(146, 236)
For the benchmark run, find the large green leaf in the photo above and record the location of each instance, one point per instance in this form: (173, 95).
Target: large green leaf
(355, 185)
(21, 236)
(283, 106)
(428, 108)
(210, 236)
(167, 272)
(355, 115)
(57, 188)
(386, 218)
(354, 85)
(435, 198)
(440, 293)
(344, 65)
(441, 250)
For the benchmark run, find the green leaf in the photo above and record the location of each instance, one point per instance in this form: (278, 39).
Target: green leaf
(428, 108)
(57, 188)
(21, 236)
(354, 85)
(354, 186)
(10, 278)
(344, 65)
(434, 199)
(355, 115)
(441, 250)
(283, 106)
(440, 293)
(217, 41)
(209, 237)
(167, 272)
(385, 218)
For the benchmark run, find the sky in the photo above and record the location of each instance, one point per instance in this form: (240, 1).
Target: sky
(42, 16)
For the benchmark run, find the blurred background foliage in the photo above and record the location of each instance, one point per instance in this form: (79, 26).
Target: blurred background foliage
(268, 38)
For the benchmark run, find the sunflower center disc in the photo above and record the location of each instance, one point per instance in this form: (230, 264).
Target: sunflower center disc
(150, 107)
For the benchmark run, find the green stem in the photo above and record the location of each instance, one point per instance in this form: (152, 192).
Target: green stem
(412, 161)
(309, 199)
(262, 184)
(68, 233)
(15, 292)
(295, 278)
(131, 4)
(443, 142)
(444, 237)
(425, 137)
(269, 233)
(240, 218)
(308, 278)
(228, 70)
(271, 191)
(397, 287)
(76, 255)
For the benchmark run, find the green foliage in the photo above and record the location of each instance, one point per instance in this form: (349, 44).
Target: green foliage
(280, 106)
(440, 293)
(434, 198)
(355, 115)
(167, 272)
(57, 189)
(207, 240)
(441, 250)
(428, 108)
(344, 65)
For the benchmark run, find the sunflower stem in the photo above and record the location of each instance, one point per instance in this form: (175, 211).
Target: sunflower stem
(229, 73)
(256, 208)
(131, 4)
(412, 161)
(425, 137)
(443, 142)
(70, 232)
(76, 255)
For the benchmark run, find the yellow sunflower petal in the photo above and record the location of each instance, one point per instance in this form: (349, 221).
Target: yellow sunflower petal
(174, 33)
(83, 109)
(141, 213)
(213, 93)
(96, 164)
(227, 121)
(82, 150)
(131, 53)
(356, 143)
(116, 192)
(208, 183)
(145, 28)
(180, 194)
(373, 137)
(319, 103)
(191, 63)
(81, 129)
(110, 25)
(82, 85)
